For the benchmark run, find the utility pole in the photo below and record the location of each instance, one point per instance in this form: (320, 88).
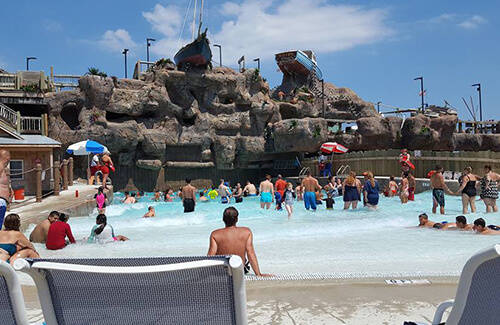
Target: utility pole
(478, 85)
(220, 53)
(422, 92)
(28, 62)
(125, 54)
(148, 44)
(258, 63)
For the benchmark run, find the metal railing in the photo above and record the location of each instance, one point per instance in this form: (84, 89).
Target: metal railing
(7, 81)
(343, 170)
(61, 81)
(138, 68)
(31, 125)
(304, 171)
(8, 115)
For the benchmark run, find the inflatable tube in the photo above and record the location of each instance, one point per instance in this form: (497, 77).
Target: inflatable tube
(429, 174)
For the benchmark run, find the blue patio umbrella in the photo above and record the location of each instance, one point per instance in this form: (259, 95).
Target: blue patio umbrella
(87, 147)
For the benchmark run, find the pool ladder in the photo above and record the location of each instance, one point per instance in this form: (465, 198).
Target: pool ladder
(303, 171)
(343, 170)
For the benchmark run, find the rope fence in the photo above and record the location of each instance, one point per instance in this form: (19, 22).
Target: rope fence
(62, 178)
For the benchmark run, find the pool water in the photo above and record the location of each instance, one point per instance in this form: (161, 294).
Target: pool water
(354, 243)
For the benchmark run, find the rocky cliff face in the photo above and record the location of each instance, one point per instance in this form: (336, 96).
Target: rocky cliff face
(227, 120)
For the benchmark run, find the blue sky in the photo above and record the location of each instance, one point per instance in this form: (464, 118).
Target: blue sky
(375, 48)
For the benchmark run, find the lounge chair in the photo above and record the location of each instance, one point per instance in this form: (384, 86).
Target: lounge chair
(156, 290)
(478, 294)
(12, 309)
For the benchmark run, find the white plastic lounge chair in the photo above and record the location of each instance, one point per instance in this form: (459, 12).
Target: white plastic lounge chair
(478, 294)
(12, 309)
(157, 290)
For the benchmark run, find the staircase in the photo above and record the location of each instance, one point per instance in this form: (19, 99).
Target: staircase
(315, 88)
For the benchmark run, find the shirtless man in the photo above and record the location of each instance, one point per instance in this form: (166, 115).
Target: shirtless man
(424, 221)
(310, 185)
(6, 192)
(151, 213)
(481, 229)
(460, 224)
(266, 190)
(404, 189)
(39, 234)
(250, 189)
(224, 192)
(234, 240)
(188, 196)
(438, 189)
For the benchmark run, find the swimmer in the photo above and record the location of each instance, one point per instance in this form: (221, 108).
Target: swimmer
(213, 194)
(280, 185)
(424, 221)
(404, 188)
(319, 197)
(329, 201)
(438, 189)
(13, 243)
(224, 192)
(151, 213)
(234, 240)
(288, 198)
(157, 196)
(460, 224)
(188, 196)
(310, 185)
(392, 187)
(412, 184)
(129, 199)
(249, 189)
(266, 190)
(299, 192)
(238, 193)
(103, 232)
(203, 198)
(169, 195)
(481, 229)
(58, 231)
(100, 199)
(39, 234)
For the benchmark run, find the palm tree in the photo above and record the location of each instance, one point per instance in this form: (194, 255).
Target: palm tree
(96, 72)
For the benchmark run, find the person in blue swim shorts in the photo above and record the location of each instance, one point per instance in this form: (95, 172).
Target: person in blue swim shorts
(310, 186)
(266, 190)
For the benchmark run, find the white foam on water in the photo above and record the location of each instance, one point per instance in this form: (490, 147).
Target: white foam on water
(346, 242)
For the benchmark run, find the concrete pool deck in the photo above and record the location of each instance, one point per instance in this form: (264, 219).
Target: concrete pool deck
(367, 301)
(66, 202)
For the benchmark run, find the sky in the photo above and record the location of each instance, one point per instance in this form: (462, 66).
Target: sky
(376, 48)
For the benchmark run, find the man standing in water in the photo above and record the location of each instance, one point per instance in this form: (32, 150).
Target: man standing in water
(310, 186)
(250, 189)
(266, 190)
(188, 196)
(280, 185)
(234, 240)
(438, 188)
(6, 192)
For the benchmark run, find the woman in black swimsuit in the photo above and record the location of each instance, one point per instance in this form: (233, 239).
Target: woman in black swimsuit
(489, 189)
(468, 190)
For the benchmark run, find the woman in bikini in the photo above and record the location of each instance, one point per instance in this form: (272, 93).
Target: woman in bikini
(13, 244)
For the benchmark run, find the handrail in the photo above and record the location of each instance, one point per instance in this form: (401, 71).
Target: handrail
(8, 114)
(138, 68)
(343, 169)
(304, 171)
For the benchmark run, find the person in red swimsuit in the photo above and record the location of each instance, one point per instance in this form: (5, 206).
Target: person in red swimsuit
(280, 185)
(56, 238)
(107, 164)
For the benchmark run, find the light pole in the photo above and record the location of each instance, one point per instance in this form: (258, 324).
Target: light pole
(478, 85)
(323, 96)
(422, 93)
(378, 106)
(258, 63)
(220, 53)
(28, 62)
(148, 44)
(125, 54)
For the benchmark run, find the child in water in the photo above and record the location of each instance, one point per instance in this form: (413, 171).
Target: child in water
(277, 197)
(289, 197)
(203, 198)
(329, 200)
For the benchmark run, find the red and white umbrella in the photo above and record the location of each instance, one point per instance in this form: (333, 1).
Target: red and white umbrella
(333, 147)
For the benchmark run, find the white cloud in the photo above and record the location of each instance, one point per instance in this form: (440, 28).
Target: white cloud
(443, 18)
(473, 22)
(116, 40)
(258, 28)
